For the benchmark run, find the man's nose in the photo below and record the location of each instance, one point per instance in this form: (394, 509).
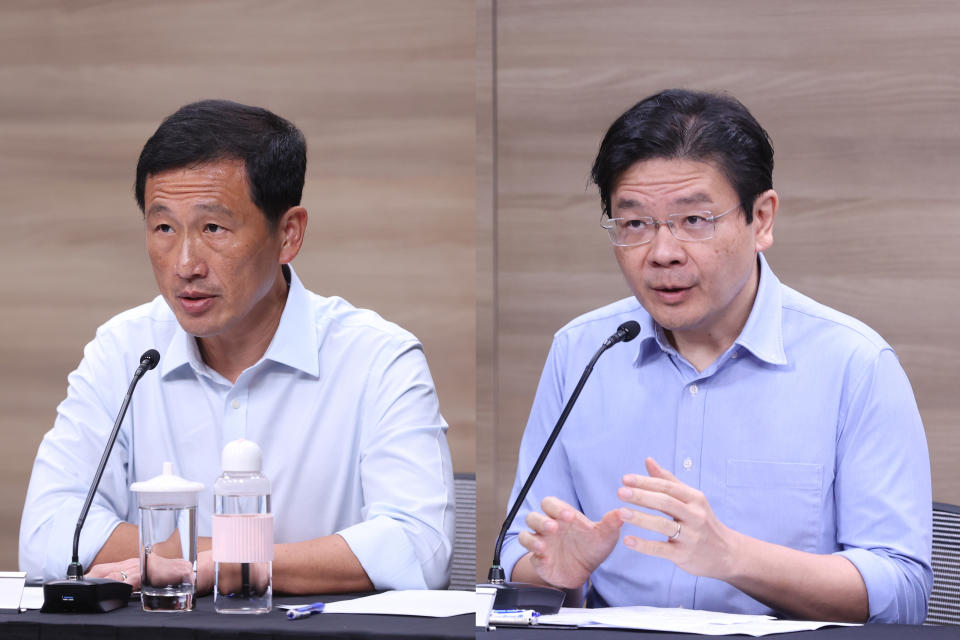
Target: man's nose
(190, 261)
(665, 248)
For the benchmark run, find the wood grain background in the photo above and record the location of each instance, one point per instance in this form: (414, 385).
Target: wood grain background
(384, 92)
(860, 100)
(468, 129)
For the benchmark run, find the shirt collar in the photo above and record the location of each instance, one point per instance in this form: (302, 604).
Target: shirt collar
(294, 344)
(762, 335)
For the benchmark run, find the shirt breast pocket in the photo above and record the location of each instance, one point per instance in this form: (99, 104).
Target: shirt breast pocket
(775, 501)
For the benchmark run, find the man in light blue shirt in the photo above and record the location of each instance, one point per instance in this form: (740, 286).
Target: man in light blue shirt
(340, 401)
(786, 467)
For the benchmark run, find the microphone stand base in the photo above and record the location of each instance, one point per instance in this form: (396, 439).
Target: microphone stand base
(520, 595)
(90, 595)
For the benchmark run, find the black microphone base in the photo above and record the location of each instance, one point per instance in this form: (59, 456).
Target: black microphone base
(520, 595)
(90, 595)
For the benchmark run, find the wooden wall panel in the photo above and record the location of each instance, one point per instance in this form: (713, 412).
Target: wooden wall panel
(385, 94)
(488, 512)
(860, 101)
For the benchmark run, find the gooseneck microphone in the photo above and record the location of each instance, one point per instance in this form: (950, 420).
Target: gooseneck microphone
(93, 595)
(519, 595)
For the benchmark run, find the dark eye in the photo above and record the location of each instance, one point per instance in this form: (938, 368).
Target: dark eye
(164, 228)
(695, 220)
(635, 225)
(212, 228)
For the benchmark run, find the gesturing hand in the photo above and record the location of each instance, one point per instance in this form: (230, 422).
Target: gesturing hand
(565, 545)
(704, 546)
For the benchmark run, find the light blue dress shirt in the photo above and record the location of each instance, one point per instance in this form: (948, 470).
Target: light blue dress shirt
(804, 433)
(342, 404)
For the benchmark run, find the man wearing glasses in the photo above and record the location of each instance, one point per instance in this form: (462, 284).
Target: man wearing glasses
(786, 468)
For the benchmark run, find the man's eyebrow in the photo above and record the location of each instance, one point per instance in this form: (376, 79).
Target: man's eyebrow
(210, 207)
(628, 203)
(156, 207)
(214, 207)
(699, 197)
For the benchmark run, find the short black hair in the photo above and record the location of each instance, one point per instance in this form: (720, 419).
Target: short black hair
(692, 125)
(272, 149)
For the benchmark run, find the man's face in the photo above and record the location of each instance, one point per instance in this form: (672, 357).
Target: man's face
(214, 255)
(704, 288)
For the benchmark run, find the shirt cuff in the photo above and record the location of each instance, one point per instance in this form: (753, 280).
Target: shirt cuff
(384, 552)
(883, 582)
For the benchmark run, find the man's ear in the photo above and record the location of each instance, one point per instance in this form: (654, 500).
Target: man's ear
(764, 212)
(292, 226)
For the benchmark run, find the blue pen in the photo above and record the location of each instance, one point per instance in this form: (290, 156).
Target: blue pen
(536, 613)
(513, 617)
(303, 612)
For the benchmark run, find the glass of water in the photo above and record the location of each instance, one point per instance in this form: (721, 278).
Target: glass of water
(168, 541)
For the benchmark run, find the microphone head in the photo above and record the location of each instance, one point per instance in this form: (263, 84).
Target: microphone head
(149, 359)
(629, 329)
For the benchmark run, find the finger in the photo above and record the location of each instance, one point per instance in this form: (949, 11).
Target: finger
(675, 488)
(657, 524)
(656, 471)
(612, 519)
(557, 509)
(541, 523)
(531, 542)
(131, 577)
(100, 571)
(650, 547)
(655, 500)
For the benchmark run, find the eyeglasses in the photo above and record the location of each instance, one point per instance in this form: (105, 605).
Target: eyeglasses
(693, 226)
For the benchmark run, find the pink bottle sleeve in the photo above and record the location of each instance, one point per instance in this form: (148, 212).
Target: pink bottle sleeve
(246, 538)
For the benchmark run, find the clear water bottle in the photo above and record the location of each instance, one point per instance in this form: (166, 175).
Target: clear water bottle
(242, 533)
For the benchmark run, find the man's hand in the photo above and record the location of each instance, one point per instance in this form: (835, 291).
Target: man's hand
(565, 545)
(124, 571)
(704, 546)
(804, 585)
(129, 570)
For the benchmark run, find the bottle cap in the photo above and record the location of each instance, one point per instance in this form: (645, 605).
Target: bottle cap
(241, 455)
(167, 489)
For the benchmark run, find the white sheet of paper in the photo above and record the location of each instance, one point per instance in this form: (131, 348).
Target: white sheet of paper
(485, 599)
(679, 620)
(11, 588)
(32, 598)
(414, 602)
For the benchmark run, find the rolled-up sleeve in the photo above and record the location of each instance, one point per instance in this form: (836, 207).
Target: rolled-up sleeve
(883, 494)
(63, 471)
(405, 540)
(554, 478)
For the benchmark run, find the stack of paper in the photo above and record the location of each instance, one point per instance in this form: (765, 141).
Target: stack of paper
(679, 620)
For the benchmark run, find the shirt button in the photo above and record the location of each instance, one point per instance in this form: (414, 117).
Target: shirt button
(235, 404)
(694, 389)
(687, 463)
(735, 354)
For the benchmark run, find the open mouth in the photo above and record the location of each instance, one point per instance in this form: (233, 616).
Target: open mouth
(671, 295)
(194, 302)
